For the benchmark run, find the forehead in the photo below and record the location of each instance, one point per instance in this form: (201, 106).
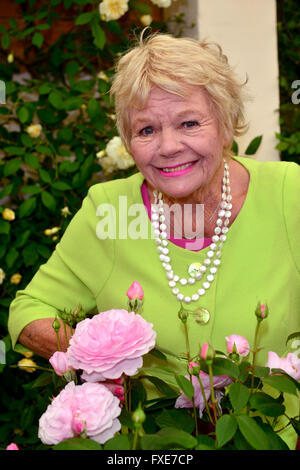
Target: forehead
(161, 103)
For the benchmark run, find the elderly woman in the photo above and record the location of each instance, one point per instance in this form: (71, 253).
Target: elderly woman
(222, 231)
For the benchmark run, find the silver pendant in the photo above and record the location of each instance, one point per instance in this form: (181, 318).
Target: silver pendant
(194, 269)
(202, 316)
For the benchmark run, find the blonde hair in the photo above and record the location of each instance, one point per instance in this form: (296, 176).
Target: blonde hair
(173, 64)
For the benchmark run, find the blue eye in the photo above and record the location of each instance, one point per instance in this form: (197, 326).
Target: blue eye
(189, 124)
(147, 130)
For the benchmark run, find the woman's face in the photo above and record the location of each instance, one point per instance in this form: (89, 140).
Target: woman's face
(176, 142)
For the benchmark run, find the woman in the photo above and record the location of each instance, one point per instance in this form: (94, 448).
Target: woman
(179, 106)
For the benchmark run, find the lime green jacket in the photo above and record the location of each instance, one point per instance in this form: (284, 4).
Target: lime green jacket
(260, 262)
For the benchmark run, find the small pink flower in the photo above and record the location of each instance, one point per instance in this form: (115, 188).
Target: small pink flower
(241, 345)
(263, 310)
(289, 364)
(110, 344)
(12, 446)
(89, 407)
(135, 291)
(59, 362)
(203, 352)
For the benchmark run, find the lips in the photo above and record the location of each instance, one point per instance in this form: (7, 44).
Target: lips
(176, 170)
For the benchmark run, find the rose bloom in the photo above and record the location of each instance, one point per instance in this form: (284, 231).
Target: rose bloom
(162, 3)
(135, 291)
(27, 364)
(110, 344)
(34, 130)
(241, 344)
(219, 381)
(12, 446)
(116, 151)
(290, 364)
(113, 9)
(89, 407)
(8, 214)
(59, 362)
(146, 20)
(16, 278)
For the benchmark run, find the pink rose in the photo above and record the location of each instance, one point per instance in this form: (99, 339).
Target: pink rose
(59, 362)
(89, 407)
(290, 364)
(110, 344)
(219, 381)
(241, 345)
(135, 291)
(12, 446)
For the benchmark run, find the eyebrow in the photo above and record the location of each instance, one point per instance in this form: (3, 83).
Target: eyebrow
(190, 112)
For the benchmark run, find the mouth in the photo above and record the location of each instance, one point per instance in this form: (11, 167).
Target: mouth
(176, 170)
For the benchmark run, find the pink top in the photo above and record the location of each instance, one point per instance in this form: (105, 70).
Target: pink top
(192, 245)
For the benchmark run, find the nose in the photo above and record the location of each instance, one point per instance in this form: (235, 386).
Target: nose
(169, 143)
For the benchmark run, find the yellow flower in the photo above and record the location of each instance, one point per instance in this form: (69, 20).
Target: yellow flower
(102, 75)
(27, 364)
(113, 9)
(27, 354)
(10, 58)
(118, 154)
(34, 130)
(51, 231)
(2, 275)
(100, 154)
(146, 20)
(16, 278)
(8, 214)
(65, 211)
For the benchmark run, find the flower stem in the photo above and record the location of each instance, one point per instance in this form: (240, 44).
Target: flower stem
(135, 440)
(254, 354)
(205, 401)
(213, 399)
(188, 350)
(66, 335)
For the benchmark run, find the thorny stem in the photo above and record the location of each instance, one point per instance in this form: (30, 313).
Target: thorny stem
(213, 398)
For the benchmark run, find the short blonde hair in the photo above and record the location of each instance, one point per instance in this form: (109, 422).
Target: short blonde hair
(173, 64)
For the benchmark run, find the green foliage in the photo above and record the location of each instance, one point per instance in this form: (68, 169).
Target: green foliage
(288, 15)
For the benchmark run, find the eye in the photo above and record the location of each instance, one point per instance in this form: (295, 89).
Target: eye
(146, 130)
(189, 124)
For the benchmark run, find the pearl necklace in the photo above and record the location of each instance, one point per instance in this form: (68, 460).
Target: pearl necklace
(213, 257)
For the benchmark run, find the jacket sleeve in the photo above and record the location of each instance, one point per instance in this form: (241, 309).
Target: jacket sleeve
(74, 274)
(291, 208)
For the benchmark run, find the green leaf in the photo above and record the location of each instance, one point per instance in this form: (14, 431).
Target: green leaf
(44, 379)
(55, 98)
(29, 254)
(244, 369)
(185, 385)
(37, 39)
(161, 386)
(281, 383)
(225, 429)
(32, 160)
(44, 150)
(45, 175)
(205, 443)
(176, 418)
(266, 404)
(48, 201)
(93, 109)
(27, 207)
(11, 257)
(61, 186)
(168, 438)
(235, 148)
(44, 89)
(13, 150)
(99, 35)
(238, 395)
(31, 189)
(158, 354)
(78, 443)
(260, 371)
(4, 227)
(5, 41)
(122, 442)
(252, 432)
(292, 336)
(23, 114)
(275, 441)
(44, 251)
(65, 134)
(253, 146)
(12, 166)
(223, 366)
(6, 191)
(84, 18)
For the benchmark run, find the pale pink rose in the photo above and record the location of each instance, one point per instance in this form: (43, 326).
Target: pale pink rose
(59, 362)
(219, 381)
(289, 364)
(89, 407)
(12, 446)
(241, 344)
(135, 291)
(110, 344)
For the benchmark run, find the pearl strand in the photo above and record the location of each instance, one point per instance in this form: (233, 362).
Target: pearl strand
(213, 257)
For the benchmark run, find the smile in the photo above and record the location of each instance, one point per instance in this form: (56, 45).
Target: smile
(176, 170)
